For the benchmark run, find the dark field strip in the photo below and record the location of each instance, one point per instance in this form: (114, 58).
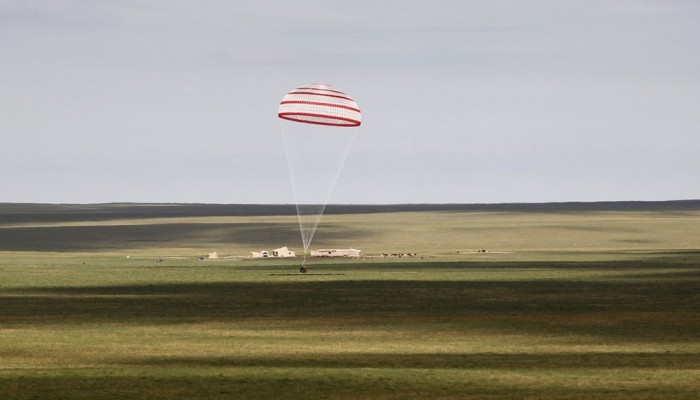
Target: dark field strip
(588, 360)
(312, 384)
(101, 238)
(636, 310)
(22, 212)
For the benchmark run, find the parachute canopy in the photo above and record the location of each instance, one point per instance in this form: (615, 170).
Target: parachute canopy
(321, 105)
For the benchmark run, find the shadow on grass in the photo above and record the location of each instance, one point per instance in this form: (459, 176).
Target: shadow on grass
(316, 384)
(663, 309)
(588, 360)
(86, 238)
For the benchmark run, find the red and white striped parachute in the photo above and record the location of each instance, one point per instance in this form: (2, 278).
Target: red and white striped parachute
(321, 105)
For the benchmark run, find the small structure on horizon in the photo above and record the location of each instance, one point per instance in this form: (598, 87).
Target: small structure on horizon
(349, 253)
(283, 252)
(213, 255)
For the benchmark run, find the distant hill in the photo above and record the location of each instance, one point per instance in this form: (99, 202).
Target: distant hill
(30, 212)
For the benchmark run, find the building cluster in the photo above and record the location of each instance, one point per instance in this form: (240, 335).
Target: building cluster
(351, 253)
(284, 252)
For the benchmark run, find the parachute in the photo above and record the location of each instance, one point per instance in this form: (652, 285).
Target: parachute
(320, 104)
(311, 118)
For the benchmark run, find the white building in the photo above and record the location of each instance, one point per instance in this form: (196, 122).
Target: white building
(283, 252)
(352, 253)
(213, 256)
(260, 254)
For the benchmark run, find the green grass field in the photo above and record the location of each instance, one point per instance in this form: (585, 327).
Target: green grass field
(564, 305)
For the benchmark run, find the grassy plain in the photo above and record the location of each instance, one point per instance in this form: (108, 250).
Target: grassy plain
(573, 305)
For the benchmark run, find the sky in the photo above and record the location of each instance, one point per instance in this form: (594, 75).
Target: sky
(462, 101)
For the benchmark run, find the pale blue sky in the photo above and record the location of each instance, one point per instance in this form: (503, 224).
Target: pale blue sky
(463, 101)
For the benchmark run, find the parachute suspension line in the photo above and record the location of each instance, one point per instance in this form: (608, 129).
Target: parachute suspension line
(309, 215)
(305, 243)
